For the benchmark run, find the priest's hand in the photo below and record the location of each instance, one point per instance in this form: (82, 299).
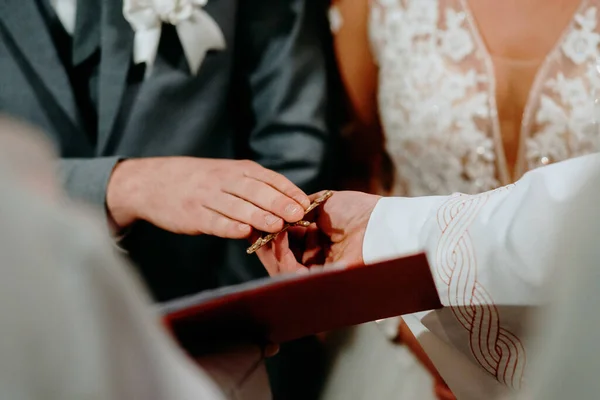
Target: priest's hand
(192, 196)
(336, 236)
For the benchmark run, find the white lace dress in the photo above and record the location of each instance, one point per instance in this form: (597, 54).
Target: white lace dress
(437, 98)
(437, 104)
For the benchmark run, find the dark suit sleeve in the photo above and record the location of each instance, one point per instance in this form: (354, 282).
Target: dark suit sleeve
(86, 179)
(285, 55)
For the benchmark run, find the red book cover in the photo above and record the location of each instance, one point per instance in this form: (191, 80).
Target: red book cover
(289, 307)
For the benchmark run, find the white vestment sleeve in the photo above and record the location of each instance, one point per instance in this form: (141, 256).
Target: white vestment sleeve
(489, 255)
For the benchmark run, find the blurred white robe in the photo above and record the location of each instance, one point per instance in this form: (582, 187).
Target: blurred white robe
(491, 256)
(75, 322)
(567, 356)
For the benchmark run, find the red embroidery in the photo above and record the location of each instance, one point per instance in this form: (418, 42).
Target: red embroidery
(496, 349)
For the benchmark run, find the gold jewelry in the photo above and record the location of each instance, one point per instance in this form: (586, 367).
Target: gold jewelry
(261, 241)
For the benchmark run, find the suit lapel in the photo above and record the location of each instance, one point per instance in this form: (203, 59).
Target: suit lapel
(25, 24)
(117, 51)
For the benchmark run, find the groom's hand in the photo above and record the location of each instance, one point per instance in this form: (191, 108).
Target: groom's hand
(193, 196)
(336, 236)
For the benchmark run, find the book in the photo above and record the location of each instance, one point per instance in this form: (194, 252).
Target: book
(288, 307)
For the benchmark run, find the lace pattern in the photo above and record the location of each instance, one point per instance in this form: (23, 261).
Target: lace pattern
(437, 98)
(562, 123)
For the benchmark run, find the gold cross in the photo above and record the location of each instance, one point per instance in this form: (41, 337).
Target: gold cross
(263, 240)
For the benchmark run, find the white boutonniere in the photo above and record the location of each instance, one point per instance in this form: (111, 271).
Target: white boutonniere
(197, 31)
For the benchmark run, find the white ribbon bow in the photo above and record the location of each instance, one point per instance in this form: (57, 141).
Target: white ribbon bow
(197, 31)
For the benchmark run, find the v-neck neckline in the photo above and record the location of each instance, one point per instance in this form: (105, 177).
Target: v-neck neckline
(502, 164)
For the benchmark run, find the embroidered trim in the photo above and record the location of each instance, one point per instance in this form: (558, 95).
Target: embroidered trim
(497, 350)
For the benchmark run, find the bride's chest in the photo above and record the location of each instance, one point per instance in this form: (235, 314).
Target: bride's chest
(448, 89)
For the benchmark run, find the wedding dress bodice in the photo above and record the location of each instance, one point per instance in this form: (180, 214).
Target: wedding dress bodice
(437, 97)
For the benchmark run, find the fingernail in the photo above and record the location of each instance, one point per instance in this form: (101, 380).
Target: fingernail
(271, 219)
(243, 227)
(271, 350)
(292, 209)
(302, 271)
(303, 200)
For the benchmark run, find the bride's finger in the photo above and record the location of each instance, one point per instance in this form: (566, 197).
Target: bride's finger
(266, 255)
(313, 252)
(281, 245)
(297, 238)
(285, 256)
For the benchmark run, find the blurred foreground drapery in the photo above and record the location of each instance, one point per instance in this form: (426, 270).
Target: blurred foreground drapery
(567, 357)
(76, 323)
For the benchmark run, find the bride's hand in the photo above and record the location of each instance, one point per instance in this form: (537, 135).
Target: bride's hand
(336, 236)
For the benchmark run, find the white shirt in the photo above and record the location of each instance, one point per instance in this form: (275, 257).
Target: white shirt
(491, 256)
(66, 11)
